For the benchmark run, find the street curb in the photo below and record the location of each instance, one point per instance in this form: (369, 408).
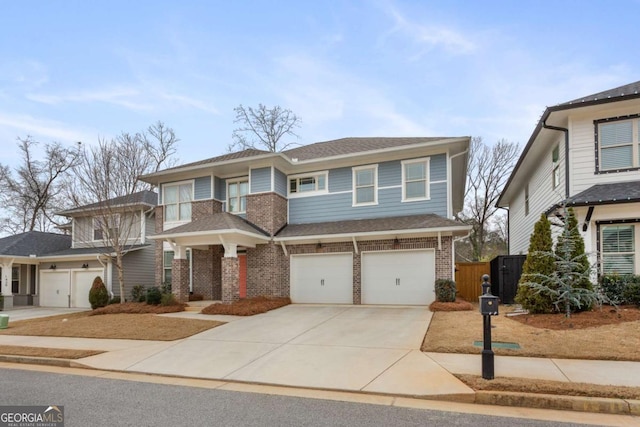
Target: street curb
(600, 405)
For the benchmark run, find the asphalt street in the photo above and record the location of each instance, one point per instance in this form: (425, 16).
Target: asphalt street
(100, 402)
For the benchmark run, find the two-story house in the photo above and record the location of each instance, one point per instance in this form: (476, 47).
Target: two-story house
(353, 221)
(586, 154)
(57, 270)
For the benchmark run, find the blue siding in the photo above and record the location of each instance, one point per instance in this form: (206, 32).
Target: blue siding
(202, 188)
(260, 180)
(280, 183)
(389, 174)
(340, 180)
(220, 189)
(338, 207)
(438, 166)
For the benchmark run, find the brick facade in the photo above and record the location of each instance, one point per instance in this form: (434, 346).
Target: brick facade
(206, 275)
(267, 271)
(268, 211)
(204, 208)
(180, 279)
(230, 279)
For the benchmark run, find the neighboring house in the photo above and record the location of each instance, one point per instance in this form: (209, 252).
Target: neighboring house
(353, 221)
(57, 270)
(586, 153)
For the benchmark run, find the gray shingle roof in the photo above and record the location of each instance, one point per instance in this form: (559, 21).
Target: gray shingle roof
(217, 222)
(410, 222)
(624, 90)
(251, 152)
(144, 198)
(619, 192)
(344, 146)
(34, 243)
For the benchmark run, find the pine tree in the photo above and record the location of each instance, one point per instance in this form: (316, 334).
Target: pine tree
(539, 260)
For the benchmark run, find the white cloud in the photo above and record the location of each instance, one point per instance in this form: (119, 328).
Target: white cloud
(48, 130)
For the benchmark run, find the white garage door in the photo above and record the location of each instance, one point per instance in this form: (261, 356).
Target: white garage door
(322, 278)
(54, 288)
(81, 282)
(398, 277)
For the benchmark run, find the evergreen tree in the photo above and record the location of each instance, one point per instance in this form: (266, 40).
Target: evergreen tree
(539, 260)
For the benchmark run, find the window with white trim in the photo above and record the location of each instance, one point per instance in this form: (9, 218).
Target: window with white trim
(365, 185)
(526, 199)
(618, 144)
(308, 183)
(237, 191)
(106, 227)
(177, 199)
(15, 280)
(415, 180)
(618, 249)
(555, 158)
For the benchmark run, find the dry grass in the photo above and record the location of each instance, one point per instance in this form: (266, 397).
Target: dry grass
(525, 385)
(58, 353)
(113, 326)
(247, 306)
(138, 308)
(455, 332)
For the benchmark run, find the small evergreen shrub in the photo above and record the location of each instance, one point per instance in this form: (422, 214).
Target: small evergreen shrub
(98, 294)
(138, 293)
(114, 300)
(445, 290)
(166, 288)
(168, 299)
(613, 287)
(154, 296)
(631, 293)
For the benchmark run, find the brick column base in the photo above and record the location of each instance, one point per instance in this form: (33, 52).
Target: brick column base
(180, 279)
(230, 280)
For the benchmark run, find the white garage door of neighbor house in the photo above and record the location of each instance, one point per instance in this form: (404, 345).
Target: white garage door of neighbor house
(398, 277)
(54, 288)
(81, 282)
(322, 278)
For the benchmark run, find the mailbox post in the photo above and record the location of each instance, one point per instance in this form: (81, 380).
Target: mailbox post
(488, 308)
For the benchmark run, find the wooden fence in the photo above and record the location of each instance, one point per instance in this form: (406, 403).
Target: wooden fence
(469, 279)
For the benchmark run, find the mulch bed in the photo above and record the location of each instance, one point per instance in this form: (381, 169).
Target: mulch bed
(137, 308)
(607, 315)
(57, 353)
(247, 306)
(458, 305)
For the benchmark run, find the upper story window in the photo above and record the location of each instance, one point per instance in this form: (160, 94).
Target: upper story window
(555, 158)
(526, 199)
(177, 199)
(237, 191)
(415, 180)
(365, 182)
(106, 227)
(618, 249)
(308, 183)
(617, 144)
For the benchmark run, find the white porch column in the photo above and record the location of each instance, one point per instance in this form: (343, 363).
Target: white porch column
(6, 277)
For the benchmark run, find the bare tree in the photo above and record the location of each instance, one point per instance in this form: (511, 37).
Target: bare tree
(488, 170)
(32, 191)
(107, 181)
(263, 128)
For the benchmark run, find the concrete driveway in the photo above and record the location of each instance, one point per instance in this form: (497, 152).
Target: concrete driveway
(359, 348)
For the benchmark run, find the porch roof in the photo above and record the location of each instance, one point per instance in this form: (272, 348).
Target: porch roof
(604, 194)
(216, 229)
(72, 254)
(33, 243)
(399, 226)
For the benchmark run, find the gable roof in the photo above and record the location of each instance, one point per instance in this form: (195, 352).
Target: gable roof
(250, 152)
(34, 243)
(222, 221)
(141, 198)
(617, 94)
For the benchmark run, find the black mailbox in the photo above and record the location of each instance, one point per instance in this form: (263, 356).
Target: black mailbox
(489, 305)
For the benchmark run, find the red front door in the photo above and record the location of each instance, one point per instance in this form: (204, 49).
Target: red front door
(242, 261)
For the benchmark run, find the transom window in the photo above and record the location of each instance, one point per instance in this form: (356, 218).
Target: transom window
(106, 227)
(365, 180)
(237, 195)
(177, 200)
(313, 183)
(618, 249)
(618, 145)
(415, 180)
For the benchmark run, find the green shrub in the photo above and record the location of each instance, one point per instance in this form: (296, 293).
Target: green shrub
(138, 293)
(445, 290)
(98, 294)
(631, 293)
(168, 299)
(613, 287)
(166, 288)
(115, 300)
(154, 296)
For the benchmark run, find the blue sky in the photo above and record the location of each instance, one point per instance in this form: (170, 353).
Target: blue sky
(79, 70)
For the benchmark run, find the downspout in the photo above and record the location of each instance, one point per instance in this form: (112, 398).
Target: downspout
(566, 154)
